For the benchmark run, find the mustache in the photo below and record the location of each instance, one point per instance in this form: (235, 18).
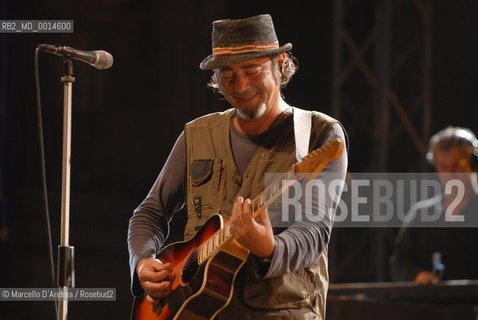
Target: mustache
(246, 93)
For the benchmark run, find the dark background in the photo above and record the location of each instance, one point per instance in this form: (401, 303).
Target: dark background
(126, 119)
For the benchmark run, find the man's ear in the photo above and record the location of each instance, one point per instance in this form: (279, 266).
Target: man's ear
(281, 56)
(280, 60)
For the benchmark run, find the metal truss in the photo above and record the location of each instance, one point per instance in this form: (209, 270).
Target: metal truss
(381, 92)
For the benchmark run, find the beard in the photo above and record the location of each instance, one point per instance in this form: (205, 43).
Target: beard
(253, 114)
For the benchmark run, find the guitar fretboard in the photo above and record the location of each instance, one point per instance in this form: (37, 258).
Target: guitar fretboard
(312, 163)
(263, 200)
(214, 243)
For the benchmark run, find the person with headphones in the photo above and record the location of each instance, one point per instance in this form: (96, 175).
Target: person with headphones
(425, 255)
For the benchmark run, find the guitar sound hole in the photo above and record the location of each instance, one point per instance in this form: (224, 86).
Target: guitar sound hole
(190, 271)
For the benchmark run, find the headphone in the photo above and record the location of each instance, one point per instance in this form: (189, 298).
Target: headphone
(455, 135)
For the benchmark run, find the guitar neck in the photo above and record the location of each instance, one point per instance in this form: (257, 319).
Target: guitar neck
(308, 168)
(273, 191)
(259, 203)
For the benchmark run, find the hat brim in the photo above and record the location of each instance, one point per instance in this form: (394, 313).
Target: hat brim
(211, 62)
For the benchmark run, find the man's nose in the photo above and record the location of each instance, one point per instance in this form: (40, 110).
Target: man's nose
(241, 84)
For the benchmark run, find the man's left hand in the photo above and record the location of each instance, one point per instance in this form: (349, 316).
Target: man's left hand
(256, 236)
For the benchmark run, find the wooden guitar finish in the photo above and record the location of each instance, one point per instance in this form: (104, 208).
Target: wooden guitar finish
(204, 268)
(198, 291)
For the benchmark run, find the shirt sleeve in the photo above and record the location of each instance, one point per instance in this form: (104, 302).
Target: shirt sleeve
(149, 225)
(302, 243)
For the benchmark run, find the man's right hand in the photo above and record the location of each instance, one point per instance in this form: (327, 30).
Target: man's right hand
(151, 274)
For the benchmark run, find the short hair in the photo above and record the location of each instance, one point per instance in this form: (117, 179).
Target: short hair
(282, 73)
(451, 137)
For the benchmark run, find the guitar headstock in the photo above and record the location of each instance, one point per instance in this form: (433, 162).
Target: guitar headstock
(316, 161)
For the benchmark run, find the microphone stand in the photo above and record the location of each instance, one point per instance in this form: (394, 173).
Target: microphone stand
(65, 266)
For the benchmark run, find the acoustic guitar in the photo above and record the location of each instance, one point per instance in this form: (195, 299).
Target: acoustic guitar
(203, 268)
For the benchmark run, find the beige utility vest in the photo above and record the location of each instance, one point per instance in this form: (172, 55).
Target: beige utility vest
(213, 183)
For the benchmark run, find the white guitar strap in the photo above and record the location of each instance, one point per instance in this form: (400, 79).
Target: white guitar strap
(302, 127)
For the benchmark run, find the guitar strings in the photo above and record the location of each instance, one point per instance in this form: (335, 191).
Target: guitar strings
(194, 253)
(192, 256)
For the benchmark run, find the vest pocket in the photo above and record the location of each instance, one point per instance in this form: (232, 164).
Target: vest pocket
(277, 293)
(304, 288)
(206, 184)
(201, 171)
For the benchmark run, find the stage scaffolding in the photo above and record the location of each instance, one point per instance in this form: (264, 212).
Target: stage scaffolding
(381, 92)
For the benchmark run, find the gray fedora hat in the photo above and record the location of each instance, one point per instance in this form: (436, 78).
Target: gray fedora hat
(236, 40)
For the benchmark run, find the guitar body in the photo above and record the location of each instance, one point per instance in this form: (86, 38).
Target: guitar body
(197, 291)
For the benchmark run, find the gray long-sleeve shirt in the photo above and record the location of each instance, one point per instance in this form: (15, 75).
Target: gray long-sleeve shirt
(296, 247)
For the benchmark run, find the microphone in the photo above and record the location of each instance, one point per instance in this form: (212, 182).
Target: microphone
(99, 59)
